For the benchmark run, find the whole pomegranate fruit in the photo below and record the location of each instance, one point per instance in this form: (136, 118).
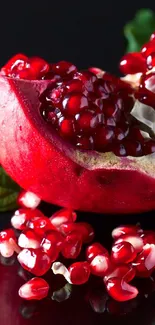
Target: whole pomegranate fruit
(68, 136)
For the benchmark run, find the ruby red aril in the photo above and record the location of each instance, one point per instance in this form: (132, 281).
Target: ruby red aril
(7, 234)
(83, 228)
(35, 261)
(8, 243)
(152, 37)
(125, 230)
(39, 67)
(14, 65)
(123, 271)
(21, 216)
(28, 200)
(88, 78)
(96, 71)
(35, 289)
(148, 237)
(134, 239)
(29, 239)
(145, 261)
(123, 252)
(63, 68)
(132, 63)
(95, 249)
(120, 290)
(100, 265)
(74, 103)
(52, 243)
(79, 272)
(40, 224)
(148, 48)
(72, 245)
(63, 216)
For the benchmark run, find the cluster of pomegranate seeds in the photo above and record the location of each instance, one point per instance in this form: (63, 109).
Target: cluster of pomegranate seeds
(92, 112)
(41, 241)
(90, 108)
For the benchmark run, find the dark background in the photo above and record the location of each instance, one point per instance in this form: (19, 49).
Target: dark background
(85, 32)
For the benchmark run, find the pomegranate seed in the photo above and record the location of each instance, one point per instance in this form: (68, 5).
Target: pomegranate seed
(96, 71)
(123, 252)
(39, 67)
(63, 69)
(28, 239)
(86, 143)
(104, 136)
(79, 272)
(40, 225)
(74, 103)
(125, 230)
(100, 265)
(87, 120)
(28, 200)
(6, 234)
(83, 228)
(21, 216)
(152, 37)
(149, 147)
(59, 268)
(67, 128)
(36, 288)
(72, 245)
(8, 243)
(119, 150)
(120, 290)
(14, 65)
(135, 240)
(74, 86)
(63, 216)
(148, 48)
(150, 61)
(88, 78)
(123, 271)
(132, 63)
(6, 249)
(52, 243)
(35, 261)
(148, 237)
(95, 249)
(145, 261)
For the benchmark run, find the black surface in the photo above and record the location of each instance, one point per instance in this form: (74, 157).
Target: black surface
(84, 32)
(78, 308)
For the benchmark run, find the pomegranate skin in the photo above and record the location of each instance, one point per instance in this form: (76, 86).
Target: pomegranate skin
(40, 161)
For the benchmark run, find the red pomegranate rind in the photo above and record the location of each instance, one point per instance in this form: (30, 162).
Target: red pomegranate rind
(98, 182)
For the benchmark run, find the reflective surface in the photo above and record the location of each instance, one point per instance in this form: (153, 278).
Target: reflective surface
(87, 304)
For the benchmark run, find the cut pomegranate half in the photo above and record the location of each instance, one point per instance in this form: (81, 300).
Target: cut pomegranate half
(64, 138)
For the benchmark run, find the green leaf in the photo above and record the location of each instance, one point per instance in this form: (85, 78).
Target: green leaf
(138, 31)
(8, 192)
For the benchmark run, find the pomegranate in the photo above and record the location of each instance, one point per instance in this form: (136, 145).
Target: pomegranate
(68, 135)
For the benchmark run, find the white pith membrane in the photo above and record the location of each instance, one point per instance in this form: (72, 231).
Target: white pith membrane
(60, 268)
(63, 293)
